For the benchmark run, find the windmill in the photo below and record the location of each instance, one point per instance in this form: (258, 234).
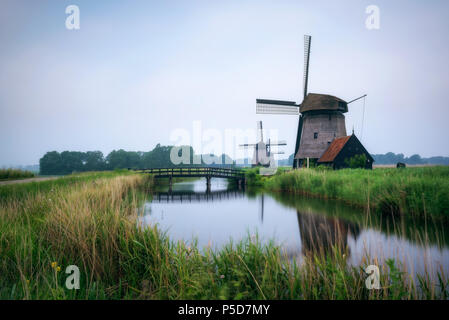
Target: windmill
(263, 154)
(321, 116)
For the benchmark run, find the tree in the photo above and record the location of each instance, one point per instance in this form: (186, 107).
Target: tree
(50, 163)
(414, 159)
(94, 161)
(122, 159)
(72, 161)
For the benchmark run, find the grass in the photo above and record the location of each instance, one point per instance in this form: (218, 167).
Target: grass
(12, 174)
(91, 220)
(418, 192)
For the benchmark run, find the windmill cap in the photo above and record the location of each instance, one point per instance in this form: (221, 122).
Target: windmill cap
(316, 102)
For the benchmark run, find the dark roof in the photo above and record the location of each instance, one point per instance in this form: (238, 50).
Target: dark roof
(334, 149)
(315, 101)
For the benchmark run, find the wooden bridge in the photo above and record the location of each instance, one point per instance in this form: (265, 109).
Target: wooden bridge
(203, 172)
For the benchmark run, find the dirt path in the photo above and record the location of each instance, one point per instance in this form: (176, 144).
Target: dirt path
(27, 180)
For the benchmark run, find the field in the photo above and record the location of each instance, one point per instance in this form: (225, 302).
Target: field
(417, 192)
(92, 221)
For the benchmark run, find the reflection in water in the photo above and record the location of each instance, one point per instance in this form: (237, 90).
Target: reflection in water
(298, 224)
(320, 234)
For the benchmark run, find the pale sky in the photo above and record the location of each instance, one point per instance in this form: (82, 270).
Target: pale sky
(136, 71)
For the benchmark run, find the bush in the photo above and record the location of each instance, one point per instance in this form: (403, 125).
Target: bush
(357, 161)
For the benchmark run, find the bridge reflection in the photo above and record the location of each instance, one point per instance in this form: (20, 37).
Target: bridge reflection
(175, 196)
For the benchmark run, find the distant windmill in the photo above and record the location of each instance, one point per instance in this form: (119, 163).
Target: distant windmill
(321, 118)
(263, 155)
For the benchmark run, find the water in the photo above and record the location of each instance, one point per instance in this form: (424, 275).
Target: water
(297, 224)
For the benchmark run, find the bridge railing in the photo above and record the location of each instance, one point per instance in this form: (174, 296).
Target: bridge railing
(212, 171)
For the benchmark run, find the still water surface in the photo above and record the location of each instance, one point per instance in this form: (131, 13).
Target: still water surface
(297, 224)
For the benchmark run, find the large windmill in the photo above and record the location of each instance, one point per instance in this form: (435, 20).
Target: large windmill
(263, 154)
(321, 117)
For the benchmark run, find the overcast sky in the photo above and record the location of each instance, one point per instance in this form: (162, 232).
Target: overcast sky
(136, 71)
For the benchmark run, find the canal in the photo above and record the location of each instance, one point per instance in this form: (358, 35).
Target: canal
(298, 224)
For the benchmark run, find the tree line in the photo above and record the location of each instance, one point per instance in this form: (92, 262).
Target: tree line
(66, 162)
(390, 158)
(393, 158)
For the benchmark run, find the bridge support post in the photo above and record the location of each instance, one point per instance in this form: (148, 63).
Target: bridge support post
(170, 184)
(208, 178)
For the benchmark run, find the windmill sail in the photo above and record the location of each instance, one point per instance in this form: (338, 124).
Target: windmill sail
(259, 125)
(277, 143)
(264, 106)
(307, 43)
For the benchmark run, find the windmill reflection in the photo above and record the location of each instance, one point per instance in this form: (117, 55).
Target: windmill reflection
(321, 234)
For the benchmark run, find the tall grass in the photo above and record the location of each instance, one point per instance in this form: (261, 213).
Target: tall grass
(10, 174)
(92, 221)
(413, 191)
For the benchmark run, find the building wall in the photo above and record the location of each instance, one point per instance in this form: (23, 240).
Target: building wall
(328, 126)
(352, 148)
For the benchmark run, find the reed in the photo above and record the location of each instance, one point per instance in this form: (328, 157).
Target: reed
(12, 174)
(411, 191)
(92, 221)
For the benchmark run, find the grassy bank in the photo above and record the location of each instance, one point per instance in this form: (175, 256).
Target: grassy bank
(12, 174)
(91, 221)
(413, 191)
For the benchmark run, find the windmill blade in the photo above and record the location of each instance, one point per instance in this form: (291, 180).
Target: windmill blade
(248, 145)
(278, 143)
(259, 125)
(307, 43)
(264, 106)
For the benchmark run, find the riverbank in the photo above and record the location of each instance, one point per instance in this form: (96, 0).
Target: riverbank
(91, 221)
(420, 192)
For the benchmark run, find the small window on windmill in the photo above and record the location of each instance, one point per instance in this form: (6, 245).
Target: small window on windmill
(328, 143)
(315, 135)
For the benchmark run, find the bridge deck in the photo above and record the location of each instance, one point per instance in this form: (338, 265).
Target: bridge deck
(211, 172)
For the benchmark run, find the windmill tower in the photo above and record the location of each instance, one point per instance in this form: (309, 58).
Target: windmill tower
(263, 154)
(321, 116)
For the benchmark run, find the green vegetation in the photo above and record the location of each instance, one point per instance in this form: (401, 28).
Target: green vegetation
(357, 161)
(12, 174)
(67, 162)
(418, 192)
(91, 220)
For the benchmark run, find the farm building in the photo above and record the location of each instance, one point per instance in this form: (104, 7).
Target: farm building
(341, 150)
